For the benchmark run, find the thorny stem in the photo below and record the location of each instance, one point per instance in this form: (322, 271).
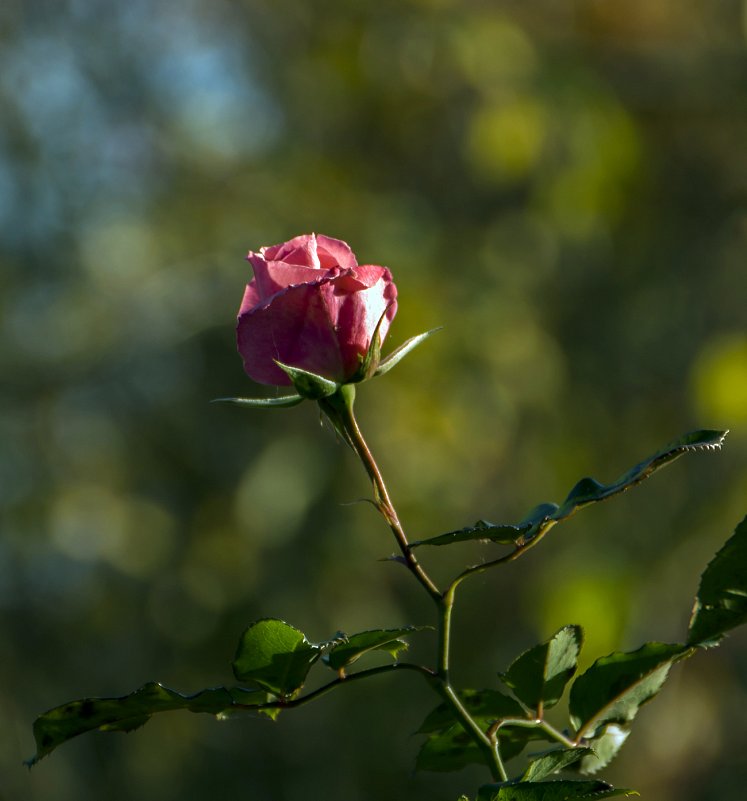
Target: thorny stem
(492, 751)
(342, 409)
(488, 746)
(339, 408)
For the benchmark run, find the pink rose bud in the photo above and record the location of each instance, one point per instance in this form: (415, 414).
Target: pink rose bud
(310, 305)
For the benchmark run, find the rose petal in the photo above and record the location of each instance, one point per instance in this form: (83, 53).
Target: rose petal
(299, 250)
(274, 276)
(311, 306)
(370, 274)
(334, 252)
(294, 328)
(251, 298)
(358, 315)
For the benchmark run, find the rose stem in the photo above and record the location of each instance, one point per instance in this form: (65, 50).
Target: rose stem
(339, 407)
(342, 403)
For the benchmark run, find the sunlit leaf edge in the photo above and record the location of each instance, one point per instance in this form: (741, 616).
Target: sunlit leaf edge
(547, 690)
(550, 762)
(585, 492)
(604, 748)
(648, 664)
(721, 600)
(127, 712)
(347, 651)
(297, 662)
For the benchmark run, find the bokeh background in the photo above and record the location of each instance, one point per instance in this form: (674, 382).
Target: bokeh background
(561, 185)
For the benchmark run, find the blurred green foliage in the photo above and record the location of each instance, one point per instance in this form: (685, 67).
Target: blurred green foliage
(561, 185)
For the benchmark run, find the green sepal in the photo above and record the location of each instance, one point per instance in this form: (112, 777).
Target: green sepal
(721, 603)
(553, 761)
(399, 353)
(559, 790)
(538, 677)
(349, 650)
(585, 492)
(338, 409)
(370, 362)
(309, 385)
(262, 403)
(276, 656)
(614, 688)
(129, 712)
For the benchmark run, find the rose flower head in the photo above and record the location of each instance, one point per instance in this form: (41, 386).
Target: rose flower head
(311, 306)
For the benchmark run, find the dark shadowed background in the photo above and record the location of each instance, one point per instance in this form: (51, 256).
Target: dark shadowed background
(561, 185)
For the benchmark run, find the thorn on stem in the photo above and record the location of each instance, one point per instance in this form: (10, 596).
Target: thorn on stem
(394, 558)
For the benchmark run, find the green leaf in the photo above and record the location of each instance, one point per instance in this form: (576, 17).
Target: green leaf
(616, 686)
(721, 603)
(399, 353)
(451, 749)
(587, 491)
(128, 712)
(355, 646)
(604, 748)
(309, 385)
(274, 655)
(286, 400)
(552, 762)
(489, 532)
(486, 706)
(549, 791)
(481, 530)
(538, 677)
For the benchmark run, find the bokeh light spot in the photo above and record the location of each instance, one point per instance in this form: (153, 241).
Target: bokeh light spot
(505, 140)
(719, 378)
(278, 488)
